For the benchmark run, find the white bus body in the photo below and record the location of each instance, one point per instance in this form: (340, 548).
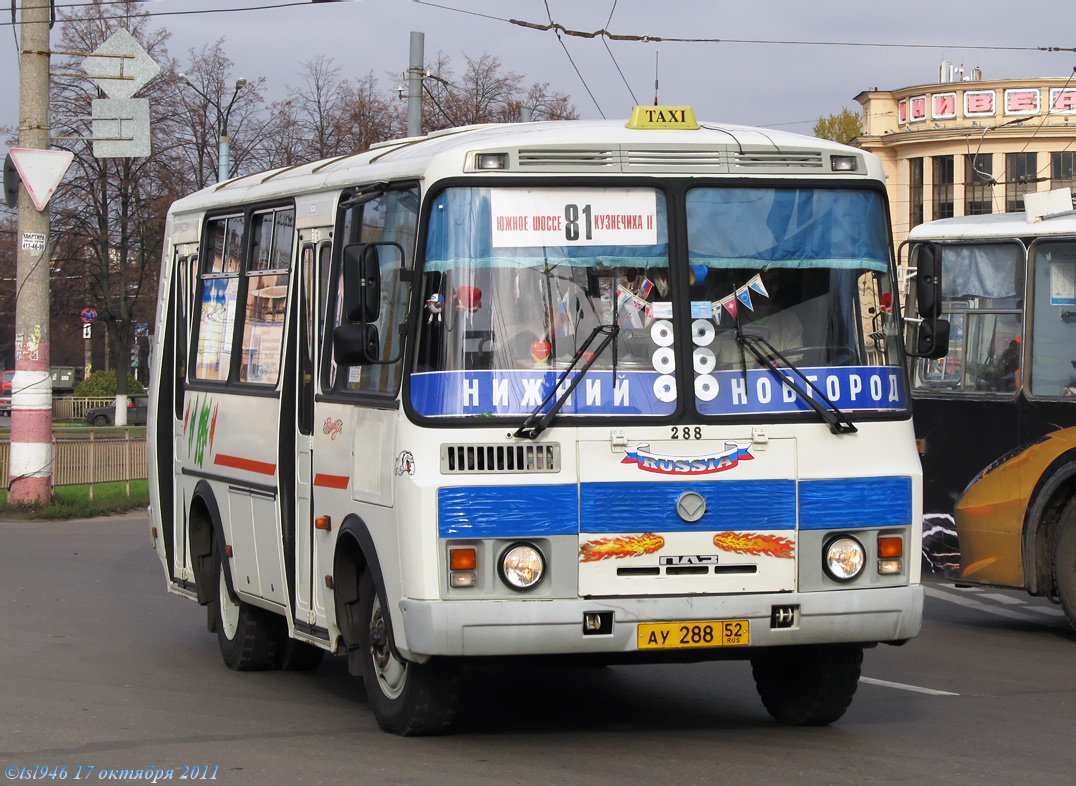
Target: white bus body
(679, 504)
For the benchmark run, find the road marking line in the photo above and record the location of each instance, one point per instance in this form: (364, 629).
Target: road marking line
(902, 686)
(1047, 610)
(971, 603)
(1006, 599)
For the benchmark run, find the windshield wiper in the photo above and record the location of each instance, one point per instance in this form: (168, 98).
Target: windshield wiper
(536, 422)
(834, 417)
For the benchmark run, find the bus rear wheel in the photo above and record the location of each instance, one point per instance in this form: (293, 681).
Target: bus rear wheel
(1065, 561)
(807, 686)
(250, 639)
(407, 698)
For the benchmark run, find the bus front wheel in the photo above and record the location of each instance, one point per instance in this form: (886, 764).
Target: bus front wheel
(807, 686)
(407, 698)
(249, 638)
(1065, 561)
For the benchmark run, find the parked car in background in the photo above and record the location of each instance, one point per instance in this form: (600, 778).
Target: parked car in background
(137, 406)
(5, 393)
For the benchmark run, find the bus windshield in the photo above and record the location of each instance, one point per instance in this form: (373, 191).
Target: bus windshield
(516, 279)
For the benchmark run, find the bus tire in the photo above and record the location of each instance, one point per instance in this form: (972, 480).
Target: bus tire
(1065, 561)
(250, 639)
(406, 698)
(300, 656)
(808, 685)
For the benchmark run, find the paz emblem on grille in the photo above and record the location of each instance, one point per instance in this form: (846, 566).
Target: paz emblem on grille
(691, 506)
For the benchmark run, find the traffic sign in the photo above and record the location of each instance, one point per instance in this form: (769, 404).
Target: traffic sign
(88, 315)
(41, 171)
(120, 66)
(120, 127)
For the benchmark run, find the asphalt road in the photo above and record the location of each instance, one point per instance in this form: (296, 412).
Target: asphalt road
(100, 668)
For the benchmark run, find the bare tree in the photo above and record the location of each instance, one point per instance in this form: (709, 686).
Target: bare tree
(318, 105)
(371, 115)
(109, 213)
(485, 93)
(210, 101)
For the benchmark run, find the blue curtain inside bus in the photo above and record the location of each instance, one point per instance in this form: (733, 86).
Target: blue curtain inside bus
(755, 228)
(801, 228)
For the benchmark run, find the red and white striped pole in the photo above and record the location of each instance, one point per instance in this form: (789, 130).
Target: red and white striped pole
(30, 465)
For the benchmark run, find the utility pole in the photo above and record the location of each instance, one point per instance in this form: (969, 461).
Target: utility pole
(31, 390)
(415, 72)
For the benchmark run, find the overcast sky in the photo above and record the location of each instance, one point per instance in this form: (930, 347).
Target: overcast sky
(785, 85)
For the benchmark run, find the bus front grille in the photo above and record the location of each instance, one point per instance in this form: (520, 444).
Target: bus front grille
(499, 459)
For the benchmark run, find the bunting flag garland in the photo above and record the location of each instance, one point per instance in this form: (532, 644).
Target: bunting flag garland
(756, 285)
(743, 294)
(740, 295)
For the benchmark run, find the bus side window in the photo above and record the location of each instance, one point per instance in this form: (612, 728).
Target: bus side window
(1053, 319)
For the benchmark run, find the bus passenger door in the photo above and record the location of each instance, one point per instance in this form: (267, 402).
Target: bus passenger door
(309, 609)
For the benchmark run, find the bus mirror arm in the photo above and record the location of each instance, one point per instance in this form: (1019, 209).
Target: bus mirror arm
(536, 423)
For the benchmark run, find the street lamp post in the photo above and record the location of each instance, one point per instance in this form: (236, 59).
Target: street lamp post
(225, 142)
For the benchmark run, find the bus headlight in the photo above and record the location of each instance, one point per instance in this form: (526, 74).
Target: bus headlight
(522, 566)
(844, 558)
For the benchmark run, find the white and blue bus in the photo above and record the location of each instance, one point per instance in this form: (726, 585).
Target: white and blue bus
(625, 392)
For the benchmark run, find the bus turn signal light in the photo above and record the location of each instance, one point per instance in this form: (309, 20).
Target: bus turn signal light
(890, 547)
(324, 523)
(462, 559)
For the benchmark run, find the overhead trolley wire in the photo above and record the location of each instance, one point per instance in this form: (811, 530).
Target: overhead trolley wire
(646, 38)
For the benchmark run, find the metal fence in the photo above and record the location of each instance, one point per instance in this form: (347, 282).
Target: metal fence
(85, 460)
(69, 407)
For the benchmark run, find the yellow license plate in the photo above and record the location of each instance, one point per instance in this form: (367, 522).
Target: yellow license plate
(706, 633)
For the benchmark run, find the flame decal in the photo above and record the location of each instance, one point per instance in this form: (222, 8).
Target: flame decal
(755, 544)
(622, 546)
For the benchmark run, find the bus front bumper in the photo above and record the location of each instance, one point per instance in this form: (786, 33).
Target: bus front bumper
(555, 627)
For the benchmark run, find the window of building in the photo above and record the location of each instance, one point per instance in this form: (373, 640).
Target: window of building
(915, 192)
(944, 177)
(1019, 179)
(1063, 170)
(978, 182)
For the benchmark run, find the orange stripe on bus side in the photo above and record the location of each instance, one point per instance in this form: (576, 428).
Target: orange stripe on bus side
(236, 462)
(331, 481)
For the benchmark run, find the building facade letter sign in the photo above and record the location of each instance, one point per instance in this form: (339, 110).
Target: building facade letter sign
(1062, 101)
(902, 111)
(1022, 101)
(978, 103)
(917, 108)
(943, 106)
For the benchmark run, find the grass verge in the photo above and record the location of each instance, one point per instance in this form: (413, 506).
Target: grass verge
(73, 502)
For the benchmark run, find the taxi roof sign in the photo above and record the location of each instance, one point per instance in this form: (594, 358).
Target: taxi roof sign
(681, 118)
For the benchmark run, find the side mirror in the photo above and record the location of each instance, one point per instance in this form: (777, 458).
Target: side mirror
(356, 345)
(361, 268)
(932, 336)
(928, 291)
(933, 339)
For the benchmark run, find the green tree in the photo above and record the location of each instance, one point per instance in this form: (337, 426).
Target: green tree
(102, 384)
(842, 127)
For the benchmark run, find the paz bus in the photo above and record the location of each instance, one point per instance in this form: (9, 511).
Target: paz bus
(996, 415)
(629, 392)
